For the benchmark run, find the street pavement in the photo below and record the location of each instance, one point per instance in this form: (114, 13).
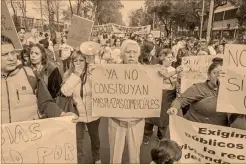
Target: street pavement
(145, 157)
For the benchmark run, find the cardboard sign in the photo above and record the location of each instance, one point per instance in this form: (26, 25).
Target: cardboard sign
(195, 70)
(79, 31)
(232, 93)
(121, 90)
(39, 141)
(206, 143)
(8, 28)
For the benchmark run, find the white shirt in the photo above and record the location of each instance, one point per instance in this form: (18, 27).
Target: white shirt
(212, 50)
(66, 51)
(169, 84)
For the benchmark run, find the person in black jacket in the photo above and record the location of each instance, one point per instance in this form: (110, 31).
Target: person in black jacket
(47, 70)
(146, 57)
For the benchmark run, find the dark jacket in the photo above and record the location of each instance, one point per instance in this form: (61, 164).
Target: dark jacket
(52, 78)
(203, 102)
(145, 60)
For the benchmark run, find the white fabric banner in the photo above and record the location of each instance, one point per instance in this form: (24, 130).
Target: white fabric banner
(39, 141)
(206, 143)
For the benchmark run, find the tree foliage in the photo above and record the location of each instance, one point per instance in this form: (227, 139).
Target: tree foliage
(101, 11)
(140, 17)
(241, 14)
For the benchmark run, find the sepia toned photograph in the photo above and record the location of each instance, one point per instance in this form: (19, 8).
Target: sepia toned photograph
(123, 81)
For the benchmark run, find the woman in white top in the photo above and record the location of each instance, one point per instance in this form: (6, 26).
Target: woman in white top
(78, 84)
(65, 52)
(115, 52)
(34, 39)
(168, 95)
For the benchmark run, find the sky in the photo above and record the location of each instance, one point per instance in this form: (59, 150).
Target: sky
(129, 5)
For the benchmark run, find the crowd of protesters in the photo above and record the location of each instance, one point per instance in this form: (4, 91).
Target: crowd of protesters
(35, 77)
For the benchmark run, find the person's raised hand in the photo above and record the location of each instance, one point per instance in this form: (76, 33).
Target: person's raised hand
(172, 111)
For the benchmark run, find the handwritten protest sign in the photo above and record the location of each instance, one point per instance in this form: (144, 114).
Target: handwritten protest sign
(126, 91)
(232, 93)
(206, 143)
(79, 31)
(195, 70)
(39, 141)
(8, 27)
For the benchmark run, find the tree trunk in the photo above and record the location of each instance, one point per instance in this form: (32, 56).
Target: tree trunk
(15, 19)
(71, 7)
(24, 13)
(51, 23)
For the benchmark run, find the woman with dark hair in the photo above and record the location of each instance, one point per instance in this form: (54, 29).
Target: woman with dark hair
(78, 84)
(168, 152)
(45, 69)
(203, 51)
(25, 56)
(115, 51)
(202, 98)
(220, 49)
(146, 57)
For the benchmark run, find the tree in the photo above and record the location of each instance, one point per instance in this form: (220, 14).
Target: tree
(107, 10)
(164, 13)
(82, 9)
(241, 14)
(140, 17)
(14, 6)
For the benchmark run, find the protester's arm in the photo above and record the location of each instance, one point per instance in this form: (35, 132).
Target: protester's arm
(46, 104)
(70, 84)
(191, 95)
(55, 81)
(237, 121)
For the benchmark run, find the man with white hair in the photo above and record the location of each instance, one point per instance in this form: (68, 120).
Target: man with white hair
(130, 129)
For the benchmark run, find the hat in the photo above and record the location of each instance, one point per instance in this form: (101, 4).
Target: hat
(90, 48)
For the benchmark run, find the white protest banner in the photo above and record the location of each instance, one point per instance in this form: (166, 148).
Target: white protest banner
(39, 141)
(126, 91)
(79, 31)
(206, 143)
(232, 93)
(156, 34)
(195, 70)
(8, 27)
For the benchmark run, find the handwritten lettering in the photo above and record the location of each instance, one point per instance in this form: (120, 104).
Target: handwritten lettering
(236, 84)
(16, 157)
(238, 59)
(131, 74)
(122, 89)
(126, 103)
(21, 135)
(68, 151)
(111, 74)
(42, 153)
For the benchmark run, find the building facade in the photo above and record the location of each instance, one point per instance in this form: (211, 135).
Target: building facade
(225, 23)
